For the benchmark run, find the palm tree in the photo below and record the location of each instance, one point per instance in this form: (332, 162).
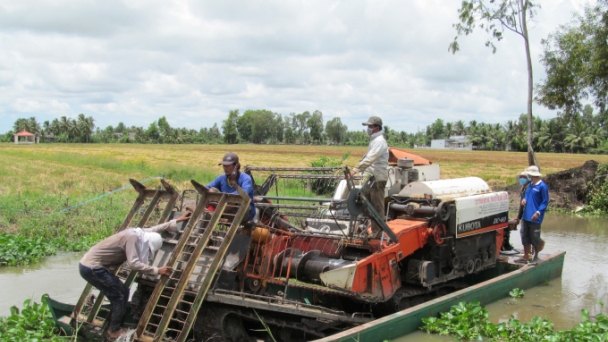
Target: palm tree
(551, 135)
(20, 125)
(74, 130)
(579, 137)
(510, 133)
(449, 129)
(90, 125)
(472, 126)
(32, 125)
(64, 125)
(498, 135)
(478, 135)
(85, 127)
(460, 128)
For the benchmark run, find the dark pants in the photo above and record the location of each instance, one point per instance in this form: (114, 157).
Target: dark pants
(376, 197)
(113, 288)
(506, 244)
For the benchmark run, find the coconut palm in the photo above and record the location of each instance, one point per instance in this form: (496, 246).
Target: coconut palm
(85, 127)
(460, 128)
(449, 129)
(32, 125)
(472, 126)
(551, 135)
(579, 137)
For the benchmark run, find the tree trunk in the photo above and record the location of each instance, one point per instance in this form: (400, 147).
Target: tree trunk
(524, 6)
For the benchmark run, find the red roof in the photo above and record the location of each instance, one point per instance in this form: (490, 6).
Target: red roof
(24, 134)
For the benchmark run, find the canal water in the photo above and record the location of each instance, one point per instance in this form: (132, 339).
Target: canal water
(583, 284)
(57, 276)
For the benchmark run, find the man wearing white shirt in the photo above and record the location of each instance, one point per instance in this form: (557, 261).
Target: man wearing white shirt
(375, 163)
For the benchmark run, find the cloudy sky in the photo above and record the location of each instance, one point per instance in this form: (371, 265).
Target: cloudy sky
(193, 61)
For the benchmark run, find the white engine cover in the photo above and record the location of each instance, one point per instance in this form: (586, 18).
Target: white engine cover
(447, 188)
(481, 213)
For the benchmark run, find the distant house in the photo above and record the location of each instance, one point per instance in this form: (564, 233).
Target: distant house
(455, 142)
(25, 137)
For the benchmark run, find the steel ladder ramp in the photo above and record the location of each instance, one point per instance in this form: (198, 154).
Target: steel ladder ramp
(92, 316)
(197, 263)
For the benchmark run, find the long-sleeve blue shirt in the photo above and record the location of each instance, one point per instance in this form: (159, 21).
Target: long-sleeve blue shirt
(243, 180)
(537, 199)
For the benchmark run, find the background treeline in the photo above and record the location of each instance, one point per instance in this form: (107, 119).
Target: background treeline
(575, 58)
(576, 133)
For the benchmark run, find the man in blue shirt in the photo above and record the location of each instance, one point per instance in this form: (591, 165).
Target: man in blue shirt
(233, 176)
(535, 204)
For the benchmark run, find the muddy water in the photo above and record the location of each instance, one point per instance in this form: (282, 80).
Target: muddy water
(584, 281)
(57, 275)
(583, 284)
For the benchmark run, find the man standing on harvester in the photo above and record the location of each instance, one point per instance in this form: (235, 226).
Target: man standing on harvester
(137, 247)
(375, 164)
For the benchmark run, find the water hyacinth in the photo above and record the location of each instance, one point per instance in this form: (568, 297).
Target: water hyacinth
(33, 322)
(470, 322)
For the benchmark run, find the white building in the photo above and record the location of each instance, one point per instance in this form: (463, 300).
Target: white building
(455, 142)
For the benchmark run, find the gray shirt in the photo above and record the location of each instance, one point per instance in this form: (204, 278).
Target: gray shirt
(120, 247)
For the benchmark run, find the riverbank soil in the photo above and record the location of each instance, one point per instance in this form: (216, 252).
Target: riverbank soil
(568, 189)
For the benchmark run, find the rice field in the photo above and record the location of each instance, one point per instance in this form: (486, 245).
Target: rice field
(41, 180)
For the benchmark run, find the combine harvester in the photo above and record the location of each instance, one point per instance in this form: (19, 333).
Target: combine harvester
(238, 281)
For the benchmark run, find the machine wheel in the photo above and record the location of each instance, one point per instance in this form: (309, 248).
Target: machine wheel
(477, 265)
(470, 266)
(253, 284)
(455, 261)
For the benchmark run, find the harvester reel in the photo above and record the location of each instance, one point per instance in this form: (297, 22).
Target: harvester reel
(354, 204)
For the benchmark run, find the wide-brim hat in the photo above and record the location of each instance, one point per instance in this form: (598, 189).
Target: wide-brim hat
(523, 174)
(533, 171)
(229, 159)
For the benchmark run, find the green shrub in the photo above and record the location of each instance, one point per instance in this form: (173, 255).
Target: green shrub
(325, 186)
(598, 194)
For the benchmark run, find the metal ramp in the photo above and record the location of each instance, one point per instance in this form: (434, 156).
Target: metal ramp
(174, 304)
(91, 316)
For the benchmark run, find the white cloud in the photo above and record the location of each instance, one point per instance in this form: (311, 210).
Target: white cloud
(192, 61)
